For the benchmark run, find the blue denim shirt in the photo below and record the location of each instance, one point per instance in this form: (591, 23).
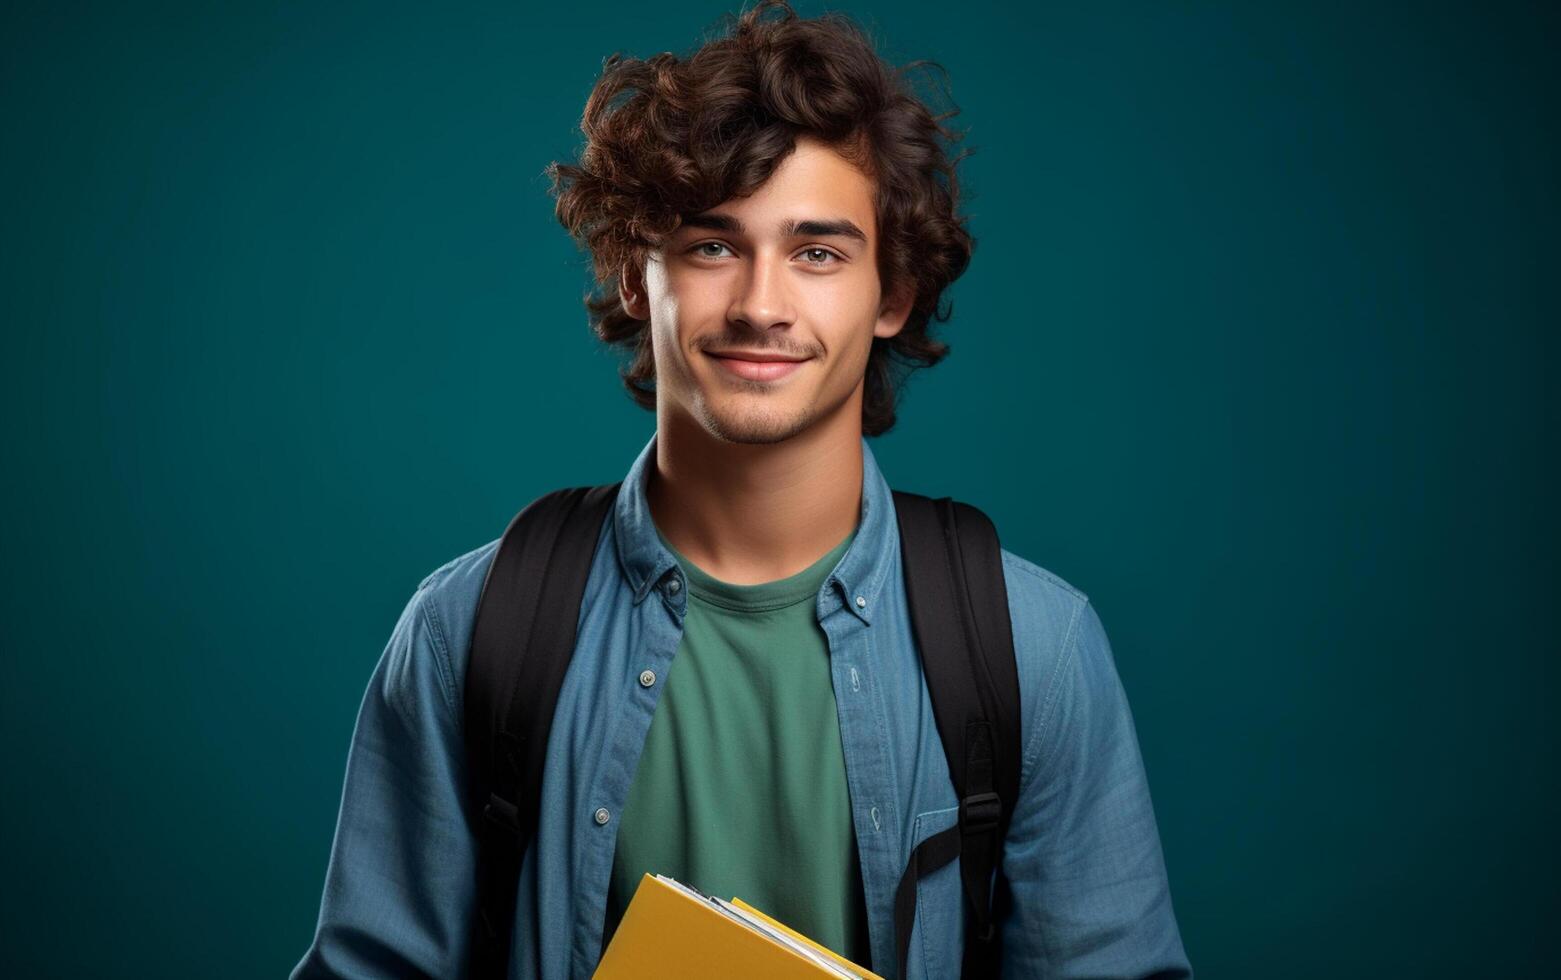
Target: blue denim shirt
(1083, 858)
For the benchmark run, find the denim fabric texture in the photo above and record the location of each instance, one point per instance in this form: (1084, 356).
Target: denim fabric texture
(1083, 856)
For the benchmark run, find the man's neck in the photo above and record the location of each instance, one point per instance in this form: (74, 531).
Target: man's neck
(748, 514)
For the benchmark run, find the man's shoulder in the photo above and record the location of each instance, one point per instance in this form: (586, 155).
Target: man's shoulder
(447, 597)
(1043, 607)
(455, 576)
(1047, 613)
(1036, 578)
(1066, 666)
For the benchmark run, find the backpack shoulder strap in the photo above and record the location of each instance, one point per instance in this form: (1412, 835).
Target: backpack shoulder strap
(523, 639)
(959, 612)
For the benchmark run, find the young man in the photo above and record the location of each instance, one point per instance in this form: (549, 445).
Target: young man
(773, 222)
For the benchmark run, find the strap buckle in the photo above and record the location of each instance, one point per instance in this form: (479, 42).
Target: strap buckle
(979, 813)
(502, 814)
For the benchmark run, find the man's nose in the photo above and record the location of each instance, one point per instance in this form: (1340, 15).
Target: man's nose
(763, 297)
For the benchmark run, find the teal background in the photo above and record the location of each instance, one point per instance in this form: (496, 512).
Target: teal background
(1256, 349)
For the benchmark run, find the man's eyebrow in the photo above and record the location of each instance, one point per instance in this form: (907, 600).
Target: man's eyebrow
(838, 227)
(821, 229)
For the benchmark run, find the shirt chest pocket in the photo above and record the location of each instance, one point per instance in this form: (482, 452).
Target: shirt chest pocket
(938, 938)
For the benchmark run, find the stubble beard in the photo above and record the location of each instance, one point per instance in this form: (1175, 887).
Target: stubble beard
(753, 422)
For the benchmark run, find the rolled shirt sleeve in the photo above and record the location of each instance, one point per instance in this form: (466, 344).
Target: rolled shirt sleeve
(399, 893)
(1083, 857)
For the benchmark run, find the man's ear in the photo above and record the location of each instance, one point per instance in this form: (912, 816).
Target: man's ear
(631, 291)
(895, 310)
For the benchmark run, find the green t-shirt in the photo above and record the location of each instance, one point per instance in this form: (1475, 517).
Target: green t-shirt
(741, 788)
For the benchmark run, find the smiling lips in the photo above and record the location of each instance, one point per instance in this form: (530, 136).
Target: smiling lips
(749, 367)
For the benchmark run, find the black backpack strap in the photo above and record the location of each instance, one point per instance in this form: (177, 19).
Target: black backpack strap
(959, 611)
(522, 641)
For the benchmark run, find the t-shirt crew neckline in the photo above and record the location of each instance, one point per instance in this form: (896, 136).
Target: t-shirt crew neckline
(765, 596)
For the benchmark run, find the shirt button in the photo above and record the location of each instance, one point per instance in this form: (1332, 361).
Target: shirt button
(861, 602)
(647, 678)
(673, 586)
(602, 816)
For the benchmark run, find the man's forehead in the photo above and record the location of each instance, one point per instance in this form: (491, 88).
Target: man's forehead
(813, 190)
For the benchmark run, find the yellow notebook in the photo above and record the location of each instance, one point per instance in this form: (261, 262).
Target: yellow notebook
(672, 932)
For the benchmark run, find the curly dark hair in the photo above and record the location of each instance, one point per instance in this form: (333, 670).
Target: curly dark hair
(668, 137)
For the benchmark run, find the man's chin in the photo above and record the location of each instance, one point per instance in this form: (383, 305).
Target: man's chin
(754, 427)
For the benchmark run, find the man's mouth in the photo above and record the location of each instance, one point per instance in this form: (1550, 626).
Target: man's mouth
(756, 365)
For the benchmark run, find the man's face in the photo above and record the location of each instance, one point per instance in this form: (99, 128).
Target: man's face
(763, 309)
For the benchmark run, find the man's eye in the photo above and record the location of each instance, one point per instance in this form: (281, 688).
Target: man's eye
(819, 256)
(702, 246)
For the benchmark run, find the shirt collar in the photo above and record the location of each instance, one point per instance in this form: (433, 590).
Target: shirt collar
(855, 582)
